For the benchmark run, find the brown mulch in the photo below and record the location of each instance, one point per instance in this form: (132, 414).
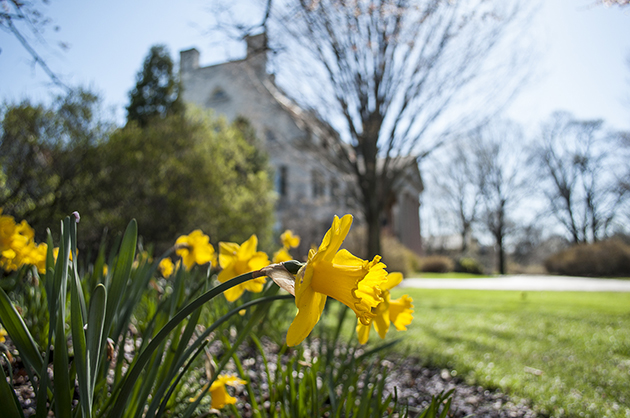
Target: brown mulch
(415, 385)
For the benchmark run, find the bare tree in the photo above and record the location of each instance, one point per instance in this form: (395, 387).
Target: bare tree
(619, 3)
(457, 189)
(26, 22)
(577, 171)
(501, 180)
(393, 77)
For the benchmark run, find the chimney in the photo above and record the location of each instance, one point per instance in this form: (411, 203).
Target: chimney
(257, 52)
(188, 60)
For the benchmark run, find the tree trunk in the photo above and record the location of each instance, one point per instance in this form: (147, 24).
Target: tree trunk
(501, 263)
(374, 234)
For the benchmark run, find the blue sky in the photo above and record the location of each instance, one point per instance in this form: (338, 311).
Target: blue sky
(583, 66)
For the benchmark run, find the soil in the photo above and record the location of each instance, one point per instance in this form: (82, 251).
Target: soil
(415, 385)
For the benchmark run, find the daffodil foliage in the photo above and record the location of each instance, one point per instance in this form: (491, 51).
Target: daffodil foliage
(149, 381)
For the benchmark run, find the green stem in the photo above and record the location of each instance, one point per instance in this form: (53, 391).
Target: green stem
(207, 332)
(145, 356)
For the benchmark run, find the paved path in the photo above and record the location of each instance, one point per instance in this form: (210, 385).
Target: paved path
(524, 283)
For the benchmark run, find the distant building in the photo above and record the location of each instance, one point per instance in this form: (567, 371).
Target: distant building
(311, 187)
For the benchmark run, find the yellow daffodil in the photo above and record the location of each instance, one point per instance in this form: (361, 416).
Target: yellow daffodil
(18, 247)
(240, 259)
(56, 253)
(397, 312)
(7, 229)
(166, 267)
(37, 256)
(338, 274)
(289, 240)
(281, 256)
(219, 394)
(195, 248)
(3, 334)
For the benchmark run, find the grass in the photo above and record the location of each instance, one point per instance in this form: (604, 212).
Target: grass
(450, 275)
(569, 352)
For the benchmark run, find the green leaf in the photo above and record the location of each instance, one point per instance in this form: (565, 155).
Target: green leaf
(75, 269)
(144, 357)
(194, 346)
(94, 337)
(19, 333)
(122, 270)
(43, 392)
(183, 343)
(79, 346)
(10, 406)
(63, 390)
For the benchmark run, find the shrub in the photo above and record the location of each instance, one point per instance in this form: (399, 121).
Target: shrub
(436, 264)
(605, 259)
(468, 265)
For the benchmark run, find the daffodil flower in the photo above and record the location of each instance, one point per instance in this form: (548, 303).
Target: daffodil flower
(3, 334)
(289, 240)
(18, 247)
(195, 249)
(338, 274)
(7, 229)
(240, 259)
(219, 394)
(397, 312)
(281, 256)
(166, 267)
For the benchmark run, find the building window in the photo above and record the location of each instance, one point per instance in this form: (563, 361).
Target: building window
(218, 95)
(318, 184)
(281, 181)
(335, 191)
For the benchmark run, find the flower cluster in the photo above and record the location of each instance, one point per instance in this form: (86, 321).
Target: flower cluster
(288, 241)
(18, 247)
(362, 285)
(195, 248)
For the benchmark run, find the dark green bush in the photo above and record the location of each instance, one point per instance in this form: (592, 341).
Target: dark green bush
(436, 264)
(602, 259)
(468, 265)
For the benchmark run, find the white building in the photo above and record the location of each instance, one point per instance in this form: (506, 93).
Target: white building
(311, 187)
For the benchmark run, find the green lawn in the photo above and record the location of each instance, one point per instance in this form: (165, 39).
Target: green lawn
(569, 352)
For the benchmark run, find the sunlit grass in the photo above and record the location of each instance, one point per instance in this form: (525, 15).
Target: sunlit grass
(569, 352)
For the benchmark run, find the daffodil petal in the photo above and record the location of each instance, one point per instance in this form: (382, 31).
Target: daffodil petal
(234, 293)
(400, 312)
(227, 273)
(248, 248)
(256, 285)
(381, 325)
(363, 331)
(309, 311)
(258, 261)
(393, 280)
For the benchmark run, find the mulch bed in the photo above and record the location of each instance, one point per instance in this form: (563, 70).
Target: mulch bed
(414, 383)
